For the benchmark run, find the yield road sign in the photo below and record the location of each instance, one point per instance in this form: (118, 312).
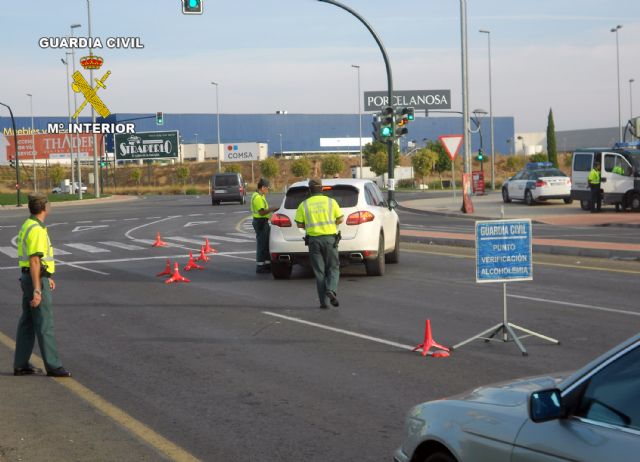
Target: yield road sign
(451, 143)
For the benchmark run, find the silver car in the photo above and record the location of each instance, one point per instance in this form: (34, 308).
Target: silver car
(592, 415)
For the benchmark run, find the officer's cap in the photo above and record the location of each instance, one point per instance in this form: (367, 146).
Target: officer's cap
(263, 183)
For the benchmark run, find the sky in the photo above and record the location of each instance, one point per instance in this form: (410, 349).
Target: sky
(296, 55)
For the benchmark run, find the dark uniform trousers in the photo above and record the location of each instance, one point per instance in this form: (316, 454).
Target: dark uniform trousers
(36, 322)
(262, 229)
(325, 263)
(596, 197)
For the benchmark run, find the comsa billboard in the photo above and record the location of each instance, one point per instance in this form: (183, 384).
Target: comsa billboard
(146, 145)
(239, 152)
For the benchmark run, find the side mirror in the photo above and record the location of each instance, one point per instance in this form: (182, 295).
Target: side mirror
(545, 405)
(393, 204)
(603, 180)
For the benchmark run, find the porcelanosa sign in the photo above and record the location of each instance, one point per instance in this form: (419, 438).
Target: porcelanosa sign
(146, 145)
(418, 99)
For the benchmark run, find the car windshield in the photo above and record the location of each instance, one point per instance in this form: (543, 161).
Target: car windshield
(345, 195)
(635, 158)
(550, 172)
(225, 180)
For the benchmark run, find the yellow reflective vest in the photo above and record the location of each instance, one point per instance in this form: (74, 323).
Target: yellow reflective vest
(594, 176)
(319, 214)
(33, 239)
(259, 202)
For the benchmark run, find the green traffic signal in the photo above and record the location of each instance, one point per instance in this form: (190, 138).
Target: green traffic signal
(385, 131)
(480, 155)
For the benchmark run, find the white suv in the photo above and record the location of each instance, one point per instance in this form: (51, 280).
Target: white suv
(370, 230)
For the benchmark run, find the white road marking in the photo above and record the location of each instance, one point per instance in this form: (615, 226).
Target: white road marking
(10, 226)
(195, 214)
(86, 248)
(154, 218)
(130, 219)
(146, 241)
(85, 228)
(188, 240)
(11, 252)
(225, 238)
(57, 252)
(341, 331)
(86, 221)
(242, 211)
(196, 223)
(121, 245)
(105, 221)
(576, 305)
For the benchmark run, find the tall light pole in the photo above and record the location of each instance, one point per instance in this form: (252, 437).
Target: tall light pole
(96, 177)
(66, 63)
(218, 126)
(493, 168)
(616, 29)
(631, 99)
(33, 143)
(465, 86)
(75, 108)
(355, 66)
(281, 154)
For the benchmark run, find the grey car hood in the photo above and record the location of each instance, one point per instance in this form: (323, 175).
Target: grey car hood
(514, 393)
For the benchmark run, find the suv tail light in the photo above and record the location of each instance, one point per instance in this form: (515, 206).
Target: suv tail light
(357, 218)
(281, 220)
(540, 184)
(241, 190)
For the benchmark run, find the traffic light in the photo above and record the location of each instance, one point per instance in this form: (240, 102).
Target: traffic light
(159, 118)
(376, 122)
(192, 6)
(103, 162)
(410, 113)
(403, 117)
(12, 163)
(480, 155)
(387, 123)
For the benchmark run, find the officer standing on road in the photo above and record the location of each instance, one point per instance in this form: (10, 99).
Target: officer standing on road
(261, 213)
(320, 216)
(594, 184)
(35, 255)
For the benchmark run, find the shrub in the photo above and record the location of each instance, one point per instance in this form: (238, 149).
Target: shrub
(232, 168)
(332, 165)
(301, 167)
(515, 163)
(269, 167)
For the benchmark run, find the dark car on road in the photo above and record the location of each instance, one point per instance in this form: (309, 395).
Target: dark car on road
(228, 187)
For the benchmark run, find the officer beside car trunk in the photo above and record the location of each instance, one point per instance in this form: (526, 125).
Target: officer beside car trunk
(594, 185)
(261, 213)
(320, 216)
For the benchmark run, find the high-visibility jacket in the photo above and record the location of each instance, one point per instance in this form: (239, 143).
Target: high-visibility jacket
(618, 169)
(319, 214)
(594, 176)
(259, 202)
(33, 239)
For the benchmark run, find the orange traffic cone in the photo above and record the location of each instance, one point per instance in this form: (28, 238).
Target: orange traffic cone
(159, 242)
(167, 270)
(208, 248)
(191, 264)
(176, 276)
(429, 343)
(203, 255)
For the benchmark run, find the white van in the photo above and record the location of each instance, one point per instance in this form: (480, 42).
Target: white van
(619, 173)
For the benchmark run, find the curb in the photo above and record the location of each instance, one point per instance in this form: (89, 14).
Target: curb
(454, 215)
(75, 203)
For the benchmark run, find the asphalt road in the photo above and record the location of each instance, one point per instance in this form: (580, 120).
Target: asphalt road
(238, 366)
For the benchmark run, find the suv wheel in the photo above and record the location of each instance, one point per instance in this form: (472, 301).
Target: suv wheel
(394, 257)
(505, 196)
(528, 198)
(243, 200)
(376, 267)
(281, 270)
(634, 202)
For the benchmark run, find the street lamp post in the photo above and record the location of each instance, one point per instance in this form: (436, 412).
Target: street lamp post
(493, 182)
(17, 157)
(218, 126)
(281, 154)
(33, 144)
(66, 63)
(465, 86)
(616, 29)
(75, 108)
(96, 177)
(359, 117)
(631, 99)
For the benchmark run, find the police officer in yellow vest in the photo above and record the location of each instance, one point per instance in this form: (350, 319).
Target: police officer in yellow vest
(320, 216)
(35, 255)
(594, 184)
(261, 213)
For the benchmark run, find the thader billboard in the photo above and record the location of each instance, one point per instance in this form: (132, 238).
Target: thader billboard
(146, 145)
(418, 99)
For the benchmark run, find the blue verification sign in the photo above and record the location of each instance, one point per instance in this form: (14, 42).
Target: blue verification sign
(503, 251)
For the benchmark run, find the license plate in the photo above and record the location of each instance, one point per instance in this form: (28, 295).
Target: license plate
(220, 191)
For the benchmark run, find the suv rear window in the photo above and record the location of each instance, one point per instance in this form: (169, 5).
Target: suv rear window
(225, 180)
(345, 196)
(550, 172)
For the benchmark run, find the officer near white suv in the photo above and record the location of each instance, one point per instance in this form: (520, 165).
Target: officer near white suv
(261, 213)
(320, 216)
